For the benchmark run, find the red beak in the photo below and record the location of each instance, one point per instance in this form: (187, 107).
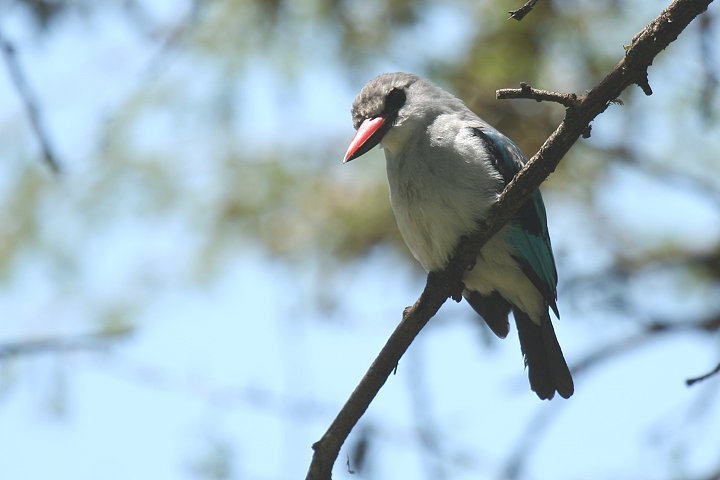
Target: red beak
(367, 136)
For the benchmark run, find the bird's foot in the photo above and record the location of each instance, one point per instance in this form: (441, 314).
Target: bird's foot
(463, 240)
(439, 280)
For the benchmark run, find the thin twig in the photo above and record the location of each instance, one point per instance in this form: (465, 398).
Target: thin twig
(28, 100)
(520, 13)
(86, 341)
(632, 69)
(650, 331)
(569, 100)
(691, 381)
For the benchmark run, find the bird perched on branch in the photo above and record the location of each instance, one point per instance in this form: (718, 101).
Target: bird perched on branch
(446, 167)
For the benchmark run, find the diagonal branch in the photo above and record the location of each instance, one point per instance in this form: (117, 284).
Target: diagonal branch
(632, 69)
(7, 49)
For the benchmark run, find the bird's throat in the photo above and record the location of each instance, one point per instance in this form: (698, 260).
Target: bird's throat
(397, 138)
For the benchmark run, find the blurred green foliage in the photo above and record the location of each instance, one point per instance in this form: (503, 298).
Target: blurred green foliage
(205, 165)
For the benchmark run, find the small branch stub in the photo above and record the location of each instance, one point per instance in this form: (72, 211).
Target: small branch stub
(520, 13)
(644, 84)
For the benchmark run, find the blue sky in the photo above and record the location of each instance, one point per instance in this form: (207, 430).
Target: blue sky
(257, 359)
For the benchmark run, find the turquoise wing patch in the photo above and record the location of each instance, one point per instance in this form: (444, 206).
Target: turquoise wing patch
(529, 234)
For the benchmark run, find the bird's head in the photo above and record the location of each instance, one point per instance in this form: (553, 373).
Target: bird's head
(380, 106)
(394, 106)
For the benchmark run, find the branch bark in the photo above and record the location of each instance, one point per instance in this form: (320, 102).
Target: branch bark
(569, 100)
(440, 286)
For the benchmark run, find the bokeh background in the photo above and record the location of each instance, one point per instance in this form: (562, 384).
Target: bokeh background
(198, 291)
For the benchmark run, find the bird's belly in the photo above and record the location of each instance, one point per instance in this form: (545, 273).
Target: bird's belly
(429, 234)
(431, 225)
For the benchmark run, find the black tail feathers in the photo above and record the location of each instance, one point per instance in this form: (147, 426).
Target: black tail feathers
(544, 359)
(546, 365)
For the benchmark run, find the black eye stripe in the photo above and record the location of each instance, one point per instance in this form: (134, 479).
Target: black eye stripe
(394, 100)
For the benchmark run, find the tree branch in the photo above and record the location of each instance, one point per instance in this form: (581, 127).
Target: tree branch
(691, 381)
(569, 100)
(88, 341)
(632, 69)
(28, 100)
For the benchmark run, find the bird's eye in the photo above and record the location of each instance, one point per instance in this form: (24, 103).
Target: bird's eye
(395, 100)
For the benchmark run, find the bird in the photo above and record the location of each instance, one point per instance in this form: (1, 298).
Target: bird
(446, 167)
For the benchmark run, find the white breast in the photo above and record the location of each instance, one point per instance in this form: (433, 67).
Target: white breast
(430, 224)
(438, 190)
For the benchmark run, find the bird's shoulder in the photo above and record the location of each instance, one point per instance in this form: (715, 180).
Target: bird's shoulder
(505, 156)
(476, 141)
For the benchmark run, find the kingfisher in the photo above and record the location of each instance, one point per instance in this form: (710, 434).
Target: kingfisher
(446, 167)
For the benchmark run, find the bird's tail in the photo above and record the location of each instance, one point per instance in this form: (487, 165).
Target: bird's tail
(546, 365)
